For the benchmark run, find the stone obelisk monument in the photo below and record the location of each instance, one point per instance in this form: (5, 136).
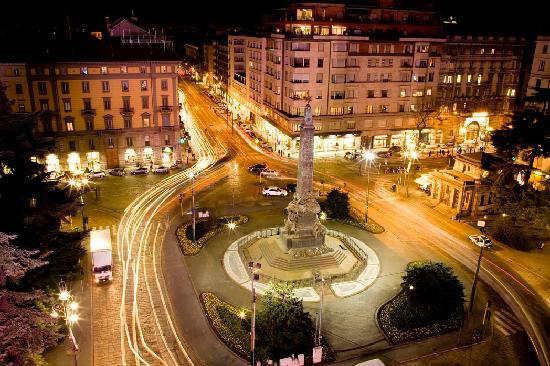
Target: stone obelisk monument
(302, 227)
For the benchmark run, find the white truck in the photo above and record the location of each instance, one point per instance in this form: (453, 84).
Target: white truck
(102, 259)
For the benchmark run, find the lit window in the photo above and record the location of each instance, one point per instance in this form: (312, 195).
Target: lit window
(429, 91)
(84, 70)
(469, 78)
(479, 77)
(103, 69)
(338, 30)
(123, 69)
(304, 14)
(458, 78)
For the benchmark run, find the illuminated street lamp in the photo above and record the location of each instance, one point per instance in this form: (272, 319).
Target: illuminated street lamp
(409, 156)
(369, 157)
(66, 308)
(192, 176)
(254, 268)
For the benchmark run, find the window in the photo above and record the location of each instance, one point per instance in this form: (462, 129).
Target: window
(103, 69)
(338, 30)
(469, 78)
(64, 87)
(108, 122)
(110, 142)
(127, 122)
(338, 78)
(89, 121)
(384, 93)
(401, 107)
(18, 88)
(72, 145)
(67, 105)
(492, 52)
(337, 95)
(142, 69)
(541, 65)
(369, 109)
(91, 144)
(166, 120)
(164, 84)
(107, 103)
(69, 125)
(403, 93)
(126, 103)
(163, 68)
(21, 108)
(319, 78)
(105, 86)
(42, 89)
(143, 84)
(145, 102)
(320, 62)
(349, 109)
(85, 86)
(87, 103)
(458, 78)
(147, 141)
(44, 105)
(370, 93)
(129, 142)
(350, 125)
(383, 108)
(146, 119)
(164, 99)
(84, 70)
(304, 14)
(429, 91)
(125, 85)
(537, 83)
(16, 71)
(545, 48)
(124, 69)
(336, 111)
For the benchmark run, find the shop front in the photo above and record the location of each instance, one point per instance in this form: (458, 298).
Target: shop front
(130, 157)
(93, 161)
(148, 156)
(476, 129)
(167, 155)
(52, 163)
(73, 163)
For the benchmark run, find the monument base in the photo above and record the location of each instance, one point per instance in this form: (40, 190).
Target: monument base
(299, 242)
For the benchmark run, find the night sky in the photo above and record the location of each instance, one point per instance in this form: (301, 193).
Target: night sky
(483, 15)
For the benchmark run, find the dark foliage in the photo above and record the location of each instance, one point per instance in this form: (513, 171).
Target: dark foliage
(337, 205)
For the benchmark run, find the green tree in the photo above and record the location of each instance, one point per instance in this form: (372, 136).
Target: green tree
(433, 288)
(32, 207)
(528, 134)
(283, 328)
(337, 204)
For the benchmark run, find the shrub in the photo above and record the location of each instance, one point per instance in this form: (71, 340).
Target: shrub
(337, 204)
(512, 236)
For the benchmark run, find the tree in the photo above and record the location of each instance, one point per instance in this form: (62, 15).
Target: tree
(541, 97)
(433, 288)
(283, 328)
(425, 112)
(27, 329)
(337, 204)
(528, 134)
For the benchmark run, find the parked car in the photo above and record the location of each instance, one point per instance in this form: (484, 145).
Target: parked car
(396, 149)
(269, 173)
(118, 171)
(141, 170)
(55, 176)
(383, 154)
(256, 168)
(481, 241)
(97, 174)
(274, 191)
(161, 170)
(291, 187)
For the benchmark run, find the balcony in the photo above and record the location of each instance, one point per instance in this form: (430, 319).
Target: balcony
(127, 110)
(166, 108)
(87, 112)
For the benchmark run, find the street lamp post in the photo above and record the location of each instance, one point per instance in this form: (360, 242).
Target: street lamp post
(255, 268)
(192, 176)
(369, 157)
(67, 308)
(472, 295)
(410, 156)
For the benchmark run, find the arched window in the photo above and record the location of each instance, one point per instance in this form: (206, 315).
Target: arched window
(108, 122)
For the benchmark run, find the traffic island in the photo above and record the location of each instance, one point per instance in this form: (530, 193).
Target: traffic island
(205, 229)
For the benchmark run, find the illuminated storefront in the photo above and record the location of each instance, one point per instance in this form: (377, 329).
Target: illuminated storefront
(148, 155)
(52, 163)
(379, 141)
(167, 155)
(73, 162)
(475, 128)
(93, 161)
(130, 156)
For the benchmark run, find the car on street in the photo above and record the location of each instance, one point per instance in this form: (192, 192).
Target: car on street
(481, 241)
(383, 154)
(269, 173)
(161, 170)
(395, 149)
(118, 172)
(141, 170)
(291, 187)
(98, 174)
(274, 191)
(256, 168)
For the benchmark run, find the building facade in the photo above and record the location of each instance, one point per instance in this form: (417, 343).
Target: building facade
(371, 73)
(102, 114)
(539, 76)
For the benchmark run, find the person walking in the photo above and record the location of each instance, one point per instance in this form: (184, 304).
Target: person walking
(430, 153)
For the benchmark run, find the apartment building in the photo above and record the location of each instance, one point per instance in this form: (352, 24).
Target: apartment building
(539, 76)
(371, 73)
(480, 84)
(367, 71)
(104, 110)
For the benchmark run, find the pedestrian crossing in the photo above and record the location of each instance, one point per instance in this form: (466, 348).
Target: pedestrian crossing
(506, 322)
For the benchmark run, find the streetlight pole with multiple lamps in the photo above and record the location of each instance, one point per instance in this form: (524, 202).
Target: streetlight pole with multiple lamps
(67, 308)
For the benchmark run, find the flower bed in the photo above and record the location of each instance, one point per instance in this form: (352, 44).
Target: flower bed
(186, 244)
(226, 321)
(388, 320)
(372, 226)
